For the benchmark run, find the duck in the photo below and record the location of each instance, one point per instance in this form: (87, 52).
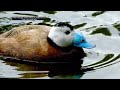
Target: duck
(43, 43)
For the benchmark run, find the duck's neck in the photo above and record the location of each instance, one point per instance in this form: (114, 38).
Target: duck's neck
(58, 47)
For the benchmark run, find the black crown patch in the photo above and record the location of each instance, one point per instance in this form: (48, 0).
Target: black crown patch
(61, 24)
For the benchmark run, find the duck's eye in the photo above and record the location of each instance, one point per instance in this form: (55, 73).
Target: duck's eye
(82, 40)
(67, 32)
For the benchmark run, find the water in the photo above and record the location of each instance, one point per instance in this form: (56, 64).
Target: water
(100, 28)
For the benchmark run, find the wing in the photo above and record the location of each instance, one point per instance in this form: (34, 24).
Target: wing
(25, 41)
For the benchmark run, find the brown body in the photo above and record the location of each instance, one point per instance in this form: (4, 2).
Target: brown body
(30, 42)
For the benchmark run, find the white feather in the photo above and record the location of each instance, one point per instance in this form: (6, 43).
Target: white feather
(57, 34)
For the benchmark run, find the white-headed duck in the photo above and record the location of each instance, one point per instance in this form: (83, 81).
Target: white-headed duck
(44, 43)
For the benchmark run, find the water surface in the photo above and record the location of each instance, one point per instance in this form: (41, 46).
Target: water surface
(100, 28)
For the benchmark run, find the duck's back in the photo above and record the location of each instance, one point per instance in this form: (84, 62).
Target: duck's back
(30, 42)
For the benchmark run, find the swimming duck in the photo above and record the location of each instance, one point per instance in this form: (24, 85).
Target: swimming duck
(43, 43)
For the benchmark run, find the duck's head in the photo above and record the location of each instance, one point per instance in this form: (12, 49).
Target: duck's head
(63, 35)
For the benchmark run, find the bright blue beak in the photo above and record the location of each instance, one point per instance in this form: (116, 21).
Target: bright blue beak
(80, 41)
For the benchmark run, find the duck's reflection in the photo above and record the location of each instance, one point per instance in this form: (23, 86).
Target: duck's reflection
(72, 71)
(67, 75)
(66, 70)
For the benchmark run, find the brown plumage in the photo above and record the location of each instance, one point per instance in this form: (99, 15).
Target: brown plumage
(30, 42)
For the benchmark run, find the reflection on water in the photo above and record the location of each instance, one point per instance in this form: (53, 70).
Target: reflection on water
(99, 27)
(104, 31)
(49, 71)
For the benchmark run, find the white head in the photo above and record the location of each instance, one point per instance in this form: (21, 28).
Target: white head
(62, 34)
